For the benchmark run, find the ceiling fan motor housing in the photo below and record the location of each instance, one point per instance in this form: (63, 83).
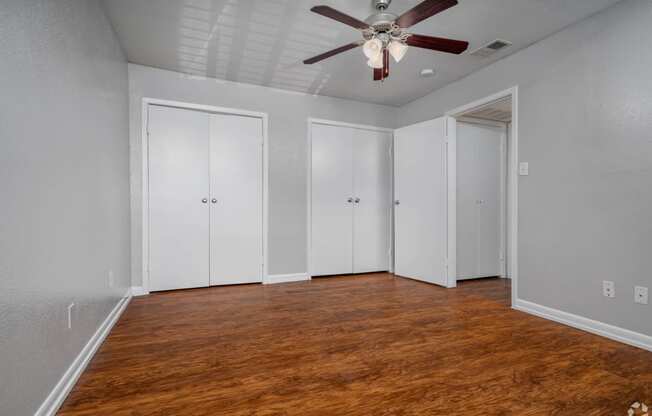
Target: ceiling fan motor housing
(381, 22)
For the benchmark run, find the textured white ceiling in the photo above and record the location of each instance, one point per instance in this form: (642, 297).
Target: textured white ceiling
(264, 41)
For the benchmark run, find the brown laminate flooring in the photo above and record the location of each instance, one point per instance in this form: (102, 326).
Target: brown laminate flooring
(354, 345)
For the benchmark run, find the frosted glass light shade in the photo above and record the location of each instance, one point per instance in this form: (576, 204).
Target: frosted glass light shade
(372, 48)
(376, 62)
(397, 50)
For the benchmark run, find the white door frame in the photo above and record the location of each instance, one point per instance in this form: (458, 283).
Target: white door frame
(312, 121)
(146, 102)
(512, 184)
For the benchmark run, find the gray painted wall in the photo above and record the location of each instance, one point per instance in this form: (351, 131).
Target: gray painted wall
(586, 130)
(64, 187)
(288, 128)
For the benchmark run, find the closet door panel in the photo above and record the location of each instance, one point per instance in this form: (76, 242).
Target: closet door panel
(478, 200)
(178, 182)
(488, 247)
(236, 206)
(420, 185)
(467, 202)
(331, 189)
(372, 204)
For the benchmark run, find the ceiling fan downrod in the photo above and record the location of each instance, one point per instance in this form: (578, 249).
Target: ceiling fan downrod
(382, 5)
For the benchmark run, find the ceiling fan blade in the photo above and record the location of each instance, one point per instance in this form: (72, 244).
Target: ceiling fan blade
(328, 54)
(380, 74)
(438, 44)
(385, 63)
(423, 11)
(331, 13)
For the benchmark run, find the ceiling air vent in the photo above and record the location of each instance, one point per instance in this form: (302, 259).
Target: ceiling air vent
(491, 48)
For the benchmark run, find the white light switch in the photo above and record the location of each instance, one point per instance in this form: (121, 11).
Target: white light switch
(640, 295)
(524, 168)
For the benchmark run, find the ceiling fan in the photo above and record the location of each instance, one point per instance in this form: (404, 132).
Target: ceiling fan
(385, 34)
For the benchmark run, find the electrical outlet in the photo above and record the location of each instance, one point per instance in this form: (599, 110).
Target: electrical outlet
(524, 169)
(640, 295)
(608, 289)
(111, 280)
(70, 308)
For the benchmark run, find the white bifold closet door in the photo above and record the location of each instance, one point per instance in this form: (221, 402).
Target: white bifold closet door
(351, 200)
(178, 186)
(478, 200)
(205, 198)
(372, 184)
(421, 193)
(236, 221)
(332, 200)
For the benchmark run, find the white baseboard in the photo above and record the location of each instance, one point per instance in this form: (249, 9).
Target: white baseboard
(138, 291)
(589, 325)
(57, 396)
(286, 278)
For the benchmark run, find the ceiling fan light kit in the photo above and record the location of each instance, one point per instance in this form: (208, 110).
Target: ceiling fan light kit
(376, 62)
(385, 34)
(372, 48)
(397, 50)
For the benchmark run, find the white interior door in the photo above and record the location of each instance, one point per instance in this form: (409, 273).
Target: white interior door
(236, 203)
(478, 200)
(420, 188)
(332, 200)
(372, 192)
(178, 198)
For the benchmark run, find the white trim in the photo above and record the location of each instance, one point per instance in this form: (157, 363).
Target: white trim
(589, 325)
(138, 291)
(512, 192)
(309, 198)
(312, 121)
(65, 384)
(510, 92)
(351, 125)
(503, 200)
(451, 209)
(287, 278)
(146, 102)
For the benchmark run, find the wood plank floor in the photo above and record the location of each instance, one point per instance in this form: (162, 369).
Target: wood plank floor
(363, 345)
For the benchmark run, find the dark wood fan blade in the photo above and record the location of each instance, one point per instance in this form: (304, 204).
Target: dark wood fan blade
(328, 54)
(438, 44)
(340, 17)
(385, 63)
(423, 11)
(381, 73)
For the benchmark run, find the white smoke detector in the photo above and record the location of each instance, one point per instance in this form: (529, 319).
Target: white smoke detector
(427, 73)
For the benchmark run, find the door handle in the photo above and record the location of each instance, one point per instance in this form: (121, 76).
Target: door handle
(357, 200)
(214, 201)
(204, 201)
(397, 202)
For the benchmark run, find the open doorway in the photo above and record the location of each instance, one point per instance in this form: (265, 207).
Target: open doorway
(484, 223)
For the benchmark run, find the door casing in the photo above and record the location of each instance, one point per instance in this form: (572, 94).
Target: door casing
(512, 185)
